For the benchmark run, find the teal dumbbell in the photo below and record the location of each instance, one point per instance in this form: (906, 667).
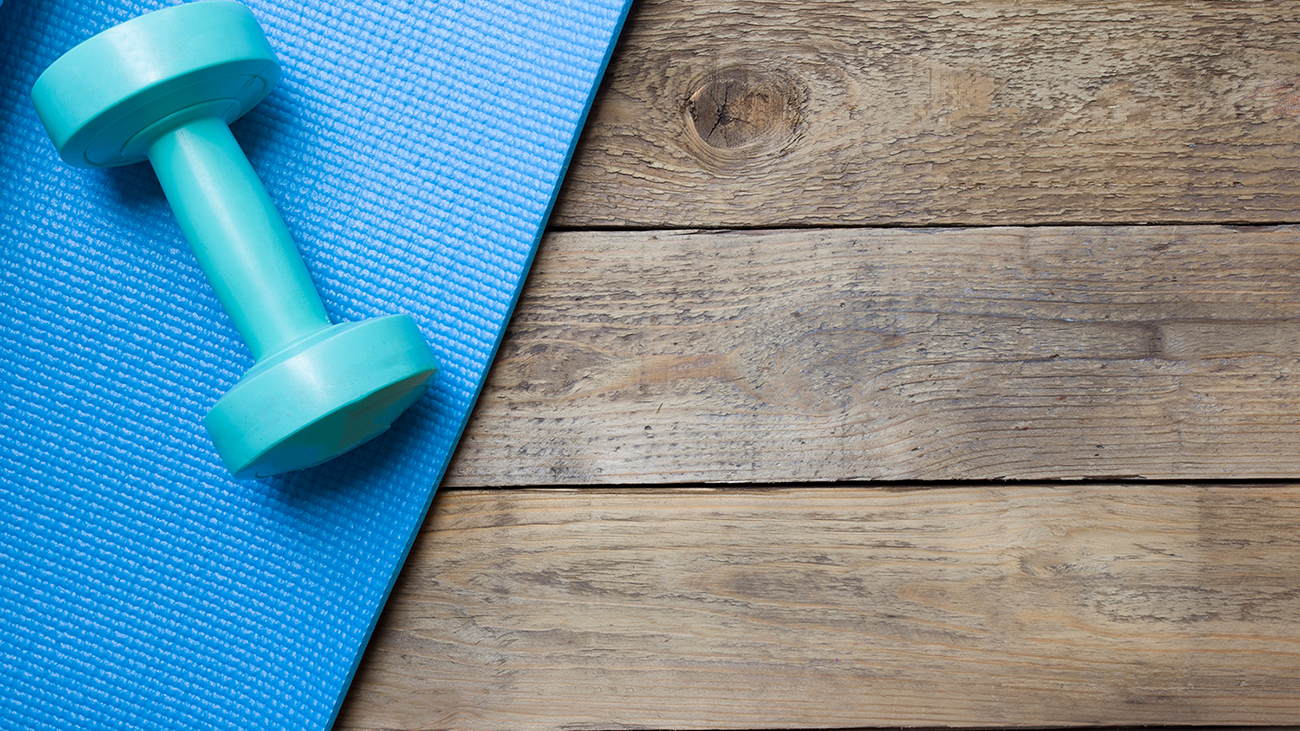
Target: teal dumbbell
(163, 87)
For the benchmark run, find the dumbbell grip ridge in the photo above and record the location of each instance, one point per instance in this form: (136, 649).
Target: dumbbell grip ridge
(237, 235)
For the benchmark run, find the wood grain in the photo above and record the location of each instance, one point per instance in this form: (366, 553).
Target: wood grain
(802, 608)
(827, 344)
(660, 357)
(973, 112)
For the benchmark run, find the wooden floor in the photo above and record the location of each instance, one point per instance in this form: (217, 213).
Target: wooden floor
(914, 363)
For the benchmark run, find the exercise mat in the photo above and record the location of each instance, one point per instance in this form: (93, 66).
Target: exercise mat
(414, 150)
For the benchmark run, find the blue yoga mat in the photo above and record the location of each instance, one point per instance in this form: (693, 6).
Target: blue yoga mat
(414, 150)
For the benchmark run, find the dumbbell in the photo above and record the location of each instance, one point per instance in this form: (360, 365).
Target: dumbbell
(164, 87)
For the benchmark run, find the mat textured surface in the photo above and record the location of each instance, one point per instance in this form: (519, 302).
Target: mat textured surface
(414, 150)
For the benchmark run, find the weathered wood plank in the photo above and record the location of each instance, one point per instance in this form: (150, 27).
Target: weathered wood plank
(797, 608)
(978, 112)
(1164, 352)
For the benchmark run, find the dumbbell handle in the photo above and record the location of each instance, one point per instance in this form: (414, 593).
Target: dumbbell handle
(237, 235)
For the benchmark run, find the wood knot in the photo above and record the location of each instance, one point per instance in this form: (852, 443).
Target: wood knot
(738, 112)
